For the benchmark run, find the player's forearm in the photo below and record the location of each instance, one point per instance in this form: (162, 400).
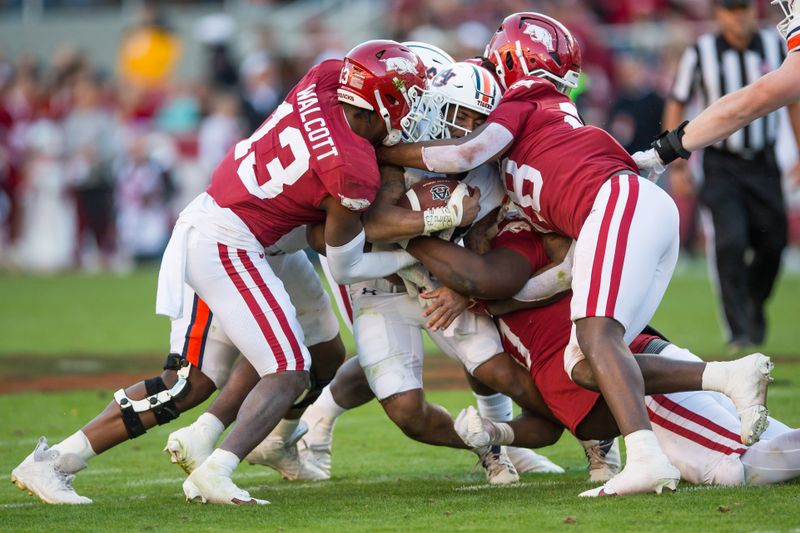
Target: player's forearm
(510, 305)
(725, 116)
(402, 155)
(451, 156)
(393, 224)
(736, 110)
(462, 270)
(546, 284)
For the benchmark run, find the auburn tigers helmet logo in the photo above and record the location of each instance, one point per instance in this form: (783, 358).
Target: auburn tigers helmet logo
(440, 192)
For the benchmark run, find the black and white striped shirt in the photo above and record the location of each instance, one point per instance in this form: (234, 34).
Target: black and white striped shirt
(712, 69)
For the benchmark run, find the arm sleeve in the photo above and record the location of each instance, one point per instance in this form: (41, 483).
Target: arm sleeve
(686, 78)
(520, 237)
(350, 264)
(477, 150)
(550, 282)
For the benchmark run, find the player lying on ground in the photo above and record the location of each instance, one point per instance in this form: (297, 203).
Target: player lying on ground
(474, 275)
(699, 431)
(736, 110)
(330, 123)
(394, 310)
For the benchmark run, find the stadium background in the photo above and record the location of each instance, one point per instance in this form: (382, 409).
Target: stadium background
(113, 114)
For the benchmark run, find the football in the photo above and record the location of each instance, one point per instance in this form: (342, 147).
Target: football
(428, 193)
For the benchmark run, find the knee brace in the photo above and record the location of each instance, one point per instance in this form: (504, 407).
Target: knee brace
(159, 398)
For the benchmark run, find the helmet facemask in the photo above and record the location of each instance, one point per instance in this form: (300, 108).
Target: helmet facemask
(435, 113)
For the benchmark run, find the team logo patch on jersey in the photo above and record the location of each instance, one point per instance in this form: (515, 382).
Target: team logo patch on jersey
(541, 35)
(401, 65)
(440, 193)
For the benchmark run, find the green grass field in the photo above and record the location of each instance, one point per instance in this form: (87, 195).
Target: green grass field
(382, 480)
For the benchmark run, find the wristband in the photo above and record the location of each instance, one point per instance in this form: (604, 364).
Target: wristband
(669, 145)
(439, 218)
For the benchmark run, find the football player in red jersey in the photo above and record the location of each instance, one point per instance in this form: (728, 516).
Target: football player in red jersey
(577, 181)
(312, 160)
(700, 432)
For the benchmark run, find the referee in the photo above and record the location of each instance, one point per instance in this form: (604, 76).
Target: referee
(742, 188)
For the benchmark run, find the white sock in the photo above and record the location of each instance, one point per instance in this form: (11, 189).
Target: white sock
(642, 445)
(773, 461)
(211, 423)
(224, 461)
(78, 444)
(327, 405)
(502, 434)
(285, 428)
(715, 376)
(497, 407)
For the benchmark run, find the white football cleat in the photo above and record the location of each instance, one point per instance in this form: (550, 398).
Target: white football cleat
(315, 446)
(529, 462)
(498, 467)
(640, 477)
(188, 447)
(604, 459)
(206, 484)
(473, 429)
(48, 474)
(283, 456)
(747, 389)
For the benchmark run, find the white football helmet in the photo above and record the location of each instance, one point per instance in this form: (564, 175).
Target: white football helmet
(461, 85)
(434, 58)
(791, 10)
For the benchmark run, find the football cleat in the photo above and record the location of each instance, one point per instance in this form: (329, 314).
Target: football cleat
(48, 475)
(207, 484)
(604, 459)
(474, 430)
(747, 389)
(527, 461)
(498, 467)
(283, 456)
(188, 447)
(639, 477)
(315, 446)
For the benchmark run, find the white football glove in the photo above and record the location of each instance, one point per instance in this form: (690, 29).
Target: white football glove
(417, 280)
(648, 160)
(447, 216)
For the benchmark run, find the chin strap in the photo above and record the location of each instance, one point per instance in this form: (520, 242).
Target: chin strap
(669, 145)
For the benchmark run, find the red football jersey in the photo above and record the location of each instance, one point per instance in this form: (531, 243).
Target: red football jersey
(305, 151)
(538, 333)
(556, 164)
(538, 337)
(543, 331)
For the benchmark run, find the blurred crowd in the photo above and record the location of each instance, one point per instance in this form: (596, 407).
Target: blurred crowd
(95, 164)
